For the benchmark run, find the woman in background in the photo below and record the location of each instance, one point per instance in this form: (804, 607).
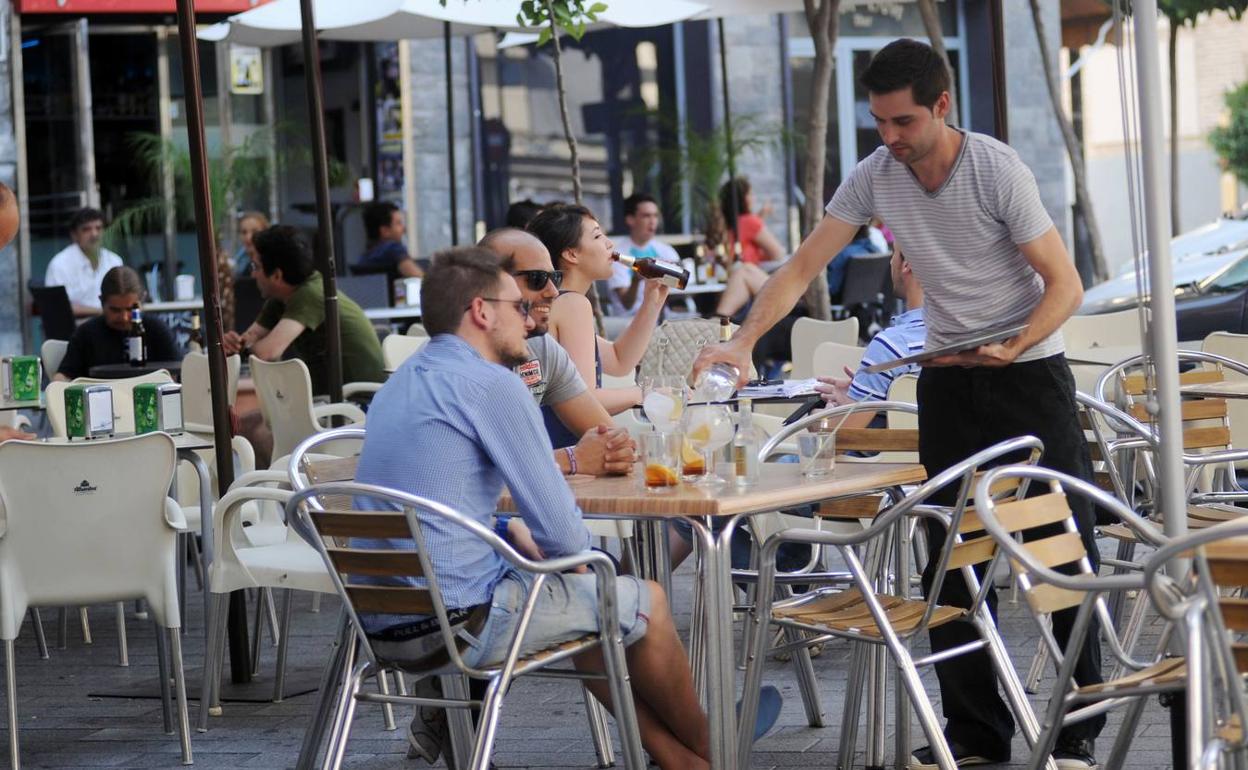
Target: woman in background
(758, 246)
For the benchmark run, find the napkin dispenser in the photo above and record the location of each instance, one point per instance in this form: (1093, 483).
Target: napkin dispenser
(22, 377)
(88, 411)
(158, 407)
(407, 292)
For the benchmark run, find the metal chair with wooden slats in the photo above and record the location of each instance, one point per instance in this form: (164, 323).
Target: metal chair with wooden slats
(1212, 619)
(401, 564)
(871, 614)
(1053, 573)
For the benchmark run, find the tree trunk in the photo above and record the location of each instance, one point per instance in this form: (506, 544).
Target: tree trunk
(1174, 127)
(821, 17)
(572, 148)
(936, 36)
(1083, 202)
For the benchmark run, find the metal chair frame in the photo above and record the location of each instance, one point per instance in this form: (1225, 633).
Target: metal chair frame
(897, 643)
(513, 665)
(1067, 704)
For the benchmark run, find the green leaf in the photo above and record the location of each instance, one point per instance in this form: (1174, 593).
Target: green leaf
(544, 37)
(597, 8)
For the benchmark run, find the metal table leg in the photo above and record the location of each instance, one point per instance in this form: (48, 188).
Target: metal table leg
(720, 660)
(315, 734)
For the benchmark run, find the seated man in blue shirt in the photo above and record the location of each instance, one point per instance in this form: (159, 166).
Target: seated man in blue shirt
(454, 424)
(384, 227)
(905, 336)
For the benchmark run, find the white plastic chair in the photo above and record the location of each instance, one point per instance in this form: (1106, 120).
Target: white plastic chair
(830, 359)
(106, 533)
(417, 330)
(285, 392)
(197, 390)
(809, 333)
(397, 348)
(51, 353)
(1103, 330)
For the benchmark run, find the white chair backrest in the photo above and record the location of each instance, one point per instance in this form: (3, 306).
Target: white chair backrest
(807, 335)
(904, 388)
(285, 392)
(1104, 330)
(51, 353)
(197, 388)
(830, 359)
(85, 523)
(417, 330)
(1233, 346)
(123, 400)
(397, 348)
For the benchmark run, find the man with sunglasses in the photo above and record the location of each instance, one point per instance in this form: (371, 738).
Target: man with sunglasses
(549, 373)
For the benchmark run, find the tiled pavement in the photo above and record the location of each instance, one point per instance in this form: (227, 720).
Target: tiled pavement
(543, 721)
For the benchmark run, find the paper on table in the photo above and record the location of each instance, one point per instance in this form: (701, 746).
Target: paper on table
(785, 389)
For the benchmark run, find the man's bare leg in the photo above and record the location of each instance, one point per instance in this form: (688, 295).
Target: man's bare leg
(673, 726)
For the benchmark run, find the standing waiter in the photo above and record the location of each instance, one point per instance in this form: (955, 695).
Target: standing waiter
(966, 212)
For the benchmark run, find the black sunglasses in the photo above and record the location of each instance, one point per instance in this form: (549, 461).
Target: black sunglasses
(522, 306)
(536, 279)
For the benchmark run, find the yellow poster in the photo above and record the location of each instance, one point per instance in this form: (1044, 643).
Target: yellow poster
(246, 70)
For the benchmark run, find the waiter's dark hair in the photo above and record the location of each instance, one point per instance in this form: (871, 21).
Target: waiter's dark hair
(559, 227)
(907, 63)
(282, 247)
(454, 279)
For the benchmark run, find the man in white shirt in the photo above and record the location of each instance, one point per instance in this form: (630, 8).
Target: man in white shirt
(641, 214)
(80, 266)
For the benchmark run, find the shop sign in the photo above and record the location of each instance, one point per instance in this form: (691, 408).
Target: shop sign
(246, 70)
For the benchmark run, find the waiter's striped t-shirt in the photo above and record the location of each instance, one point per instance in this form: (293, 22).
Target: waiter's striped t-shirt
(961, 240)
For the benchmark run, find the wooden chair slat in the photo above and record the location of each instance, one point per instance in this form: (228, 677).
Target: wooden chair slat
(877, 440)
(1057, 550)
(376, 562)
(1020, 515)
(1050, 598)
(1234, 612)
(1228, 572)
(370, 524)
(1198, 409)
(336, 469)
(1206, 438)
(864, 507)
(1135, 384)
(397, 600)
(975, 551)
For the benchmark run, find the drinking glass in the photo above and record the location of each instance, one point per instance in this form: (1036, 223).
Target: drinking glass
(663, 401)
(817, 452)
(661, 456)
(708, 428)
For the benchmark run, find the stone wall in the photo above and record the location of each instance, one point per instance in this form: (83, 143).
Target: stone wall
(430, 228)
(1034, 131)
(755, 96)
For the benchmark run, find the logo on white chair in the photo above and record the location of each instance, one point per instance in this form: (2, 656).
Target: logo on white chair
(84, 488)
(279, 394)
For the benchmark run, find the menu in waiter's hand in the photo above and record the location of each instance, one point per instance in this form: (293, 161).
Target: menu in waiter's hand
(966, 343)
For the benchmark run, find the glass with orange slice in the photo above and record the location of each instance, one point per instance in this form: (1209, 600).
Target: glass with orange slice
(660, 454)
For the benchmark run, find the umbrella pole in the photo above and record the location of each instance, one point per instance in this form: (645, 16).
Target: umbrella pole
(240, 662)
(1000, 119)
(734, 204)
(324, 216)
(450, 133)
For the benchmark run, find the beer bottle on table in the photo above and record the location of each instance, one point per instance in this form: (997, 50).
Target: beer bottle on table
(674, 276)
(136, 351)
(195, 343)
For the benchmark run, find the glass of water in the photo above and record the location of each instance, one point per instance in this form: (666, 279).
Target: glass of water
(817, 453)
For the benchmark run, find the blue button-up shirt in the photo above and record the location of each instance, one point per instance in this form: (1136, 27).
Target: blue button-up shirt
(905, 336)
(454, 428)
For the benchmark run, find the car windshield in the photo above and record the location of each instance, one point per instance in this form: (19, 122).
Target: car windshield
(1232, 279)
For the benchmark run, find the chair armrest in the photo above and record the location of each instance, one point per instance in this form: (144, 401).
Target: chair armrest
(173, 514)
(256, 478)
(359, 388)
(350, 411)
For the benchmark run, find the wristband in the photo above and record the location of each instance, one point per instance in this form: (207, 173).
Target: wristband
(500, 527)
(571, 460)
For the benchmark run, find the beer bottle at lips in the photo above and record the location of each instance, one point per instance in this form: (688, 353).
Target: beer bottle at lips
(674, 276)
(136, 350)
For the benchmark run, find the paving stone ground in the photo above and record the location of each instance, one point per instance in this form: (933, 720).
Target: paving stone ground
(543, 721)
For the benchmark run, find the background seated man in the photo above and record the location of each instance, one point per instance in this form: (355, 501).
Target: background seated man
(905, 336)
(80, 267)
(454, 424)
(292, 322)
(102, 339)
(384, 227)
(641, 214)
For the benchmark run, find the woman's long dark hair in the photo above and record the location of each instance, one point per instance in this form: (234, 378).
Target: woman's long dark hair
(559, 227)
(739, 187)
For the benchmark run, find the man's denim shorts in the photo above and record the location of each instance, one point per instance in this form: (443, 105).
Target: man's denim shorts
(567, 609)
